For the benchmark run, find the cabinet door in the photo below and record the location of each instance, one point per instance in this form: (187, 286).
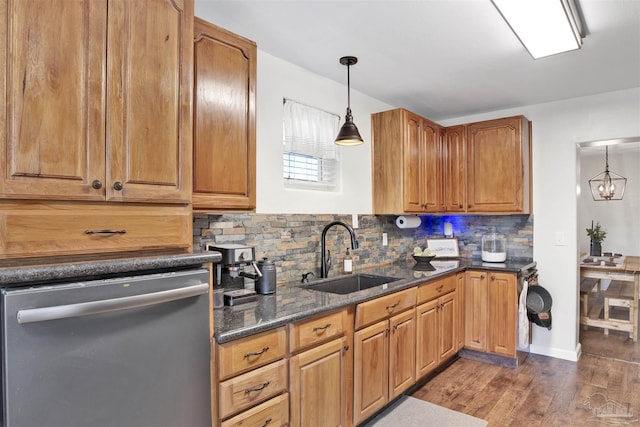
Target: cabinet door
(431, 181)
(53, 58)
(224, 119)
(149, 75)
(503, 308)
(448, 323)
(413, 164)
(476, 310)
(371, 370)
(402, 361)
(460, 297)
(454, 161)
(427, 338)
(317, 386)
(496, 155)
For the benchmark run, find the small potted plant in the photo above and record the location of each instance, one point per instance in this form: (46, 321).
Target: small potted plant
(597, 235)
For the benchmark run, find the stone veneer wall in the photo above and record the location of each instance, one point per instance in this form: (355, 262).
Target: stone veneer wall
(292, 241)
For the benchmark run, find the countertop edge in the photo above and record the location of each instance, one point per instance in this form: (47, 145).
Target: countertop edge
(79, 269)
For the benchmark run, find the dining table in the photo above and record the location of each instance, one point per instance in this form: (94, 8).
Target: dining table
(621, 268)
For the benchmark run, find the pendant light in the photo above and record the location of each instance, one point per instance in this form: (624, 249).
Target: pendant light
(349, 134)
(607, 185)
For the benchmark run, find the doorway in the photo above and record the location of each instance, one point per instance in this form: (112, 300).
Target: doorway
(619, 219)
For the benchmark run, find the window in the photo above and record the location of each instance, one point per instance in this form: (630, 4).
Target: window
(310, 158)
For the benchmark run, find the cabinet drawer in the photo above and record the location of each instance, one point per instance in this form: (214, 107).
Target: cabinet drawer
(37, 229)
(385, 306)
(245, 390)
(436, 288)
(316, 330)
(272, 413)
(252, 352)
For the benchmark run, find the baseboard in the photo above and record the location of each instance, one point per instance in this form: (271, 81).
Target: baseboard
(572, 356)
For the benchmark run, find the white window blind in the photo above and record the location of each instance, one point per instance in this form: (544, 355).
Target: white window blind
(310, 158)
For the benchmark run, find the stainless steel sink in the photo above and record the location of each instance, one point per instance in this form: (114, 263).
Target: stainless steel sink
(352, 283)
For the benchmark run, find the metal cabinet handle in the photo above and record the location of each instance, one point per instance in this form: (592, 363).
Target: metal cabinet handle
(391, 307)
(105, 231)
(258, 388)
(266, 422)
(321, 328)
(118, 186)
(96, 184)
(256, 353)
(44, 314)
(439, 288)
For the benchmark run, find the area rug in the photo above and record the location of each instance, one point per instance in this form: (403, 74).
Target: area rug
(411, 412)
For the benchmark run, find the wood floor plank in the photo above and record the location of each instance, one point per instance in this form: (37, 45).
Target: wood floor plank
(542, 392)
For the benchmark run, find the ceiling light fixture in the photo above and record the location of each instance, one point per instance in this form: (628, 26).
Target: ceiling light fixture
(544, 27)
(349, 134)
(607, 185)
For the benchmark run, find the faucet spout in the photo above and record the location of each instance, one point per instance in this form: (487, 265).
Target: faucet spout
(324, 269)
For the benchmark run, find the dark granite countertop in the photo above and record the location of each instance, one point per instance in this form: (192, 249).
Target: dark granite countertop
(40, 271)
(293, 301)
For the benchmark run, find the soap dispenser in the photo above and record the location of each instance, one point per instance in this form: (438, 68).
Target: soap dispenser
(348, 263)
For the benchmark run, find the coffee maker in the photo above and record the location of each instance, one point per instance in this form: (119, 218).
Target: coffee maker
(230, 273)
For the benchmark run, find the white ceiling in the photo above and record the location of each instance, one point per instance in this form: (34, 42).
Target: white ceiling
(439, 58)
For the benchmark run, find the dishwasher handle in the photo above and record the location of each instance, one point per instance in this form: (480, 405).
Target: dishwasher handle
(44, 314)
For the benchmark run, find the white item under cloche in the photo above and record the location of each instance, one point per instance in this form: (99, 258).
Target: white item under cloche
(494, 247)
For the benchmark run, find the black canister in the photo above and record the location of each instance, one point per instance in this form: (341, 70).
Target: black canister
(266, 284)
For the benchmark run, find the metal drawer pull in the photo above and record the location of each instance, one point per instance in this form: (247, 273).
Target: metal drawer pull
(105, 231)
(321, 328)
(439, 288)
(256, 353)
(108, 305)
(260, 387)
(266, 422)
(391, 307)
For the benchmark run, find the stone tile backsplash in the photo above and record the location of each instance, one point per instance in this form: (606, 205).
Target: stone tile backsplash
(292, 241)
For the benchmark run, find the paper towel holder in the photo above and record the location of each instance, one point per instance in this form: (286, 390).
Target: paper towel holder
(408, 221)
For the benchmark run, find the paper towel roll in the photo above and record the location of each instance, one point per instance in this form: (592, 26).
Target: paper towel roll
(408, 221)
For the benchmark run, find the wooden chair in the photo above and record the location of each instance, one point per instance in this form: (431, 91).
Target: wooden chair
(587, 286)
(619, 294)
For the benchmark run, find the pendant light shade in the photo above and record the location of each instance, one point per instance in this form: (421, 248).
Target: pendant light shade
(607, 185)
(349, 134)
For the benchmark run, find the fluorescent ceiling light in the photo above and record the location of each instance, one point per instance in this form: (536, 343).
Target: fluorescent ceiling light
(544, 27)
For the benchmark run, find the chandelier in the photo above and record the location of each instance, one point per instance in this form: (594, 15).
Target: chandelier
(607, 185)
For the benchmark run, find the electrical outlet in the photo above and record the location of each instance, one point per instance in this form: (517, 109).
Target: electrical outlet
(560, 241)
(385, 241)
(354, 220)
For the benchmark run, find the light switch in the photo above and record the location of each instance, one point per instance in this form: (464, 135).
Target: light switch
(385, 242)
(354, 220)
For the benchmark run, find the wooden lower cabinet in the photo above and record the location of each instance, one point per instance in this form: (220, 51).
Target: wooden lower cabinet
(318, 385)
(384, 361)
(272, 413)
(437, 323)
(491, 307)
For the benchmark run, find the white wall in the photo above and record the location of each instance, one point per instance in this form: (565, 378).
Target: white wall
(620, 218)
(278, 79)
(557, 129)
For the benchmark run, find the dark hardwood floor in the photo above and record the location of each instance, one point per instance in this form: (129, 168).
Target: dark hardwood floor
(543, 391)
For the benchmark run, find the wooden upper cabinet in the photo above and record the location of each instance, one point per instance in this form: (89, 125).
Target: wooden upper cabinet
(52, 128)
(95, 93)
(149, 110)
(224, 168)
(455, 170)
(498, 166)
(406, 156)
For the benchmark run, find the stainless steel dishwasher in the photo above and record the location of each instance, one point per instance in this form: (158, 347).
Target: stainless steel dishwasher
(125, 352)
